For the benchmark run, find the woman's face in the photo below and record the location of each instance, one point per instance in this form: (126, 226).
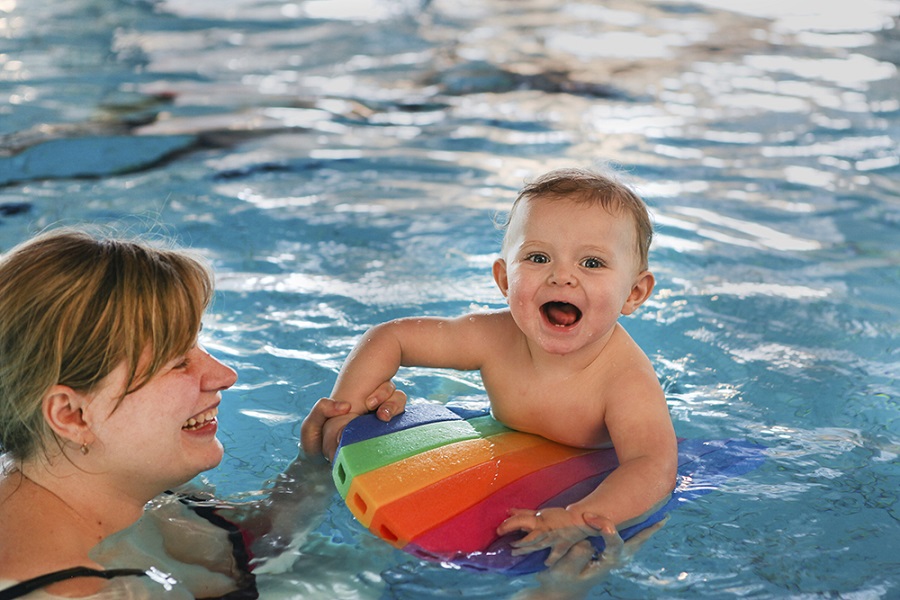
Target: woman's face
(163, 434)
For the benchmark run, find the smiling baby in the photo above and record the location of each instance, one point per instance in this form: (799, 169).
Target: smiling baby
(556, 362)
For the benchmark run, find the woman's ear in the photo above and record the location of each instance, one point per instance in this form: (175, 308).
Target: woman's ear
(63, 411)
(640, 291)
(500, 278)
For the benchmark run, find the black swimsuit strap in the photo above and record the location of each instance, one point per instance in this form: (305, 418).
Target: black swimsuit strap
(246, 581)
(36, 583)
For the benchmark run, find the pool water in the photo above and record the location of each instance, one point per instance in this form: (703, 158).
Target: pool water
(344, 162)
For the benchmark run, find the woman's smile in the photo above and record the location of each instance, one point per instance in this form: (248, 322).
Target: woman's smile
(202, 420)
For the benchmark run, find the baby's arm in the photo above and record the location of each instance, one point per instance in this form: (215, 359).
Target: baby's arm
(425, 341)
(638, 421)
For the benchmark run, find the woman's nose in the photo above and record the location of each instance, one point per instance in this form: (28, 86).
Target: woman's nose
(217, 376)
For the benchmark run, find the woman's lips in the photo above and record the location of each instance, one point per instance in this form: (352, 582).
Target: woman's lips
(204, 418)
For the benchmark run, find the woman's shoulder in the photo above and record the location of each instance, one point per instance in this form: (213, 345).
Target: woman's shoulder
(36, 538)
(5, 584)
(122, 586)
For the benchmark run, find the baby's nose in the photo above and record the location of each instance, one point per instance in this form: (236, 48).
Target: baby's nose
(563, 276)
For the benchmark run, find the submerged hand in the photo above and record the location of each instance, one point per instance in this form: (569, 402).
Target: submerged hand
(580, 569)
(554, 528)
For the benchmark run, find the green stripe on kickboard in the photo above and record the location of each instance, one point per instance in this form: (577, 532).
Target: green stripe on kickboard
(487, 426)
(367, 455)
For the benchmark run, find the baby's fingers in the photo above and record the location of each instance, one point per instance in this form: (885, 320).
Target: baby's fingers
(520, 519)
(534, 537)
(536, 540)
(387, 401)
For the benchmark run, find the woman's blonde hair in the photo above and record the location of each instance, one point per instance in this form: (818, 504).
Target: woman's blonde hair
(74, 306)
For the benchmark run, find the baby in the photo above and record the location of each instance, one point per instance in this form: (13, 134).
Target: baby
(556, 362)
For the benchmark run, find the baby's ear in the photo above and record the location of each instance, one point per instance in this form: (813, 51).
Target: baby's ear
(500, 278)
(640, 291)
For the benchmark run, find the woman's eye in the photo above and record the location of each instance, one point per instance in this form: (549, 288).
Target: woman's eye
(592, 263)
(538, 258)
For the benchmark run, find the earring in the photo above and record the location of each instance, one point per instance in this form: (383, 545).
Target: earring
(85, 449)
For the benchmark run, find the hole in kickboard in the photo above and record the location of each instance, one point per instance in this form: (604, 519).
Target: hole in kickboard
(341, 474)
(360, 503)
(388, 535)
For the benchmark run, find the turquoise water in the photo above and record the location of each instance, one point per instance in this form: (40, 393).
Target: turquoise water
(342, 162)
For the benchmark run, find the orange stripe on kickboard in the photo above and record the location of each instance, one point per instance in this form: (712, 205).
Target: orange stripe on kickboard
(474, 529)
(371, 490)
(400, 521)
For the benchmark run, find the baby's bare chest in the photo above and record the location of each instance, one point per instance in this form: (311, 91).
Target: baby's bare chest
(570, 412)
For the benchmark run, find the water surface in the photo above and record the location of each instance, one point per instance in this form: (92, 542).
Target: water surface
(343, 162)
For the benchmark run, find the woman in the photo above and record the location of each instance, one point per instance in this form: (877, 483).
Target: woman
(107, 401)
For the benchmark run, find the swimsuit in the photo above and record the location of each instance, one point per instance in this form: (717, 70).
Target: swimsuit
(245, 580)
(35, 583)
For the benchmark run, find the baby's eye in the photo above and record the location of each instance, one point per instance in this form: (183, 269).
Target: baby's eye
(592, 263)
(538, 258)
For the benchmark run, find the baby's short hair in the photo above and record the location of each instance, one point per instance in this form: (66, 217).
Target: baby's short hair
(596, 187)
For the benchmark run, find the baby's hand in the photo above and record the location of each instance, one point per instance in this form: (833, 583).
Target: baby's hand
(554, 528)
(313, 429)
(387, 400)
(321, 430)
(576, 573)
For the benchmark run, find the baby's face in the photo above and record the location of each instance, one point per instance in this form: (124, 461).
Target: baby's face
(568, 271)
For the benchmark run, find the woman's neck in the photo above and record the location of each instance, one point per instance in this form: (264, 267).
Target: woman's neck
(91, 503)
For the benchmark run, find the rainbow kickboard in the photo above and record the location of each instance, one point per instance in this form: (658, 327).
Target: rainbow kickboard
(436, 482)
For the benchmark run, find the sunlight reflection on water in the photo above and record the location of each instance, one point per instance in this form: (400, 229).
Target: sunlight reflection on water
(344, 162)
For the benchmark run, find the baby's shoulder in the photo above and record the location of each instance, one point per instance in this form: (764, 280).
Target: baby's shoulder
(624, 347)
(628, 372)
(495, 325)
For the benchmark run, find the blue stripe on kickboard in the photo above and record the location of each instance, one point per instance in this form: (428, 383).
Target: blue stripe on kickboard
(369, 426)
(469, 413)
(703, 467)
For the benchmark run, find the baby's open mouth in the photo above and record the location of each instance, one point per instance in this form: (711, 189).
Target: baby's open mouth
(201, 419)
(561, 314)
